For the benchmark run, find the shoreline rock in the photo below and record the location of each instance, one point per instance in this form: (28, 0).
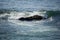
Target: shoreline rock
(35, 17)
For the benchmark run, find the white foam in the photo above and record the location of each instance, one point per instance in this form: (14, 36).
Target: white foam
(16, 15)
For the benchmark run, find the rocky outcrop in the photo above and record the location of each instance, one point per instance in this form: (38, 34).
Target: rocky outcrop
(35, 17)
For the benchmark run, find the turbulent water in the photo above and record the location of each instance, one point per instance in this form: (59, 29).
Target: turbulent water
(13, 29)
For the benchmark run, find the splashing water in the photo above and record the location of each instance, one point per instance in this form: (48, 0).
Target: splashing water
(14, 29)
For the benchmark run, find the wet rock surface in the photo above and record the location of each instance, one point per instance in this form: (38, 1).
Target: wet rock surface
(35, 17)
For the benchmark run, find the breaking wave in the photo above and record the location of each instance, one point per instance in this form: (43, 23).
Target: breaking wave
(15, 15)
(38, 29)
(53, 17)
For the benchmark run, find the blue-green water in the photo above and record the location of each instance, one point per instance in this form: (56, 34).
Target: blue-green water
(30, 5)
(13, 29)
(28, 31)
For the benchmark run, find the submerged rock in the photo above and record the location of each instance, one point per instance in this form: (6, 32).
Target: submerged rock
(35, 17)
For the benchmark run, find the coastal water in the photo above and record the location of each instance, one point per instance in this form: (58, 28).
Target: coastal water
(13, 29)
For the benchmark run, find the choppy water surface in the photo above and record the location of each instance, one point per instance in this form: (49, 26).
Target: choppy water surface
(13, 29)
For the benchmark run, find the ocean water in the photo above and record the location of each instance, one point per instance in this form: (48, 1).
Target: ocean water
(30, 5)
(13, 29)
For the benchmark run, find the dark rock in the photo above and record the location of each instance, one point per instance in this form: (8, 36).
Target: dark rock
(35, 17)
